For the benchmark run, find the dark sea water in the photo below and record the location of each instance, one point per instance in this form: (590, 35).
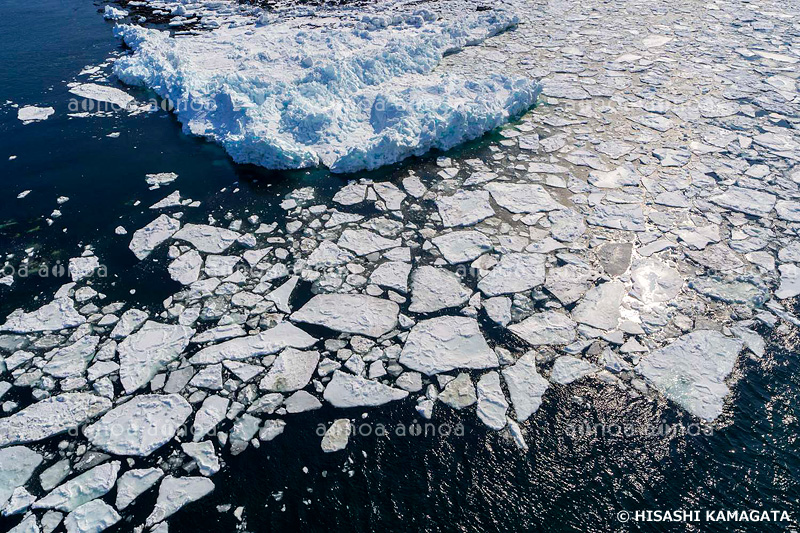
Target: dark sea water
(569, 480)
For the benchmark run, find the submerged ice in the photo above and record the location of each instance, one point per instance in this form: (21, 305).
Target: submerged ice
(354, 93)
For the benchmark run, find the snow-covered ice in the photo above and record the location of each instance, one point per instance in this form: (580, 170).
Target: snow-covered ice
(525, 386)
(546, 328)
(56, 315)
(350, 313)
(492, 403)
(139, 426)
(434, 288)
(462, 246)
(692, 370)
(336, 436)
(146, 239)
(174, 493)
(17, 464)
(81, 489)
(291, 371)
(143, 354)
(267, 342)
(350, 95)
(116, 98)
(447, 343)
(30, 113)
(134, 483)
(347, 390)
(92, 517)
(515, 272)
(51, 416)
(114, 13)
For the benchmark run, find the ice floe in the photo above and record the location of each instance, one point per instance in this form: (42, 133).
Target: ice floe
(350, 313)
(347, 390)
(81, 489)
(139, 426)
(174, 493)
(691, 371)
(525, 386)
(336, 436)
(30, 113)
(51, 416)
(447, 343)
(294, 100)
(146, 352)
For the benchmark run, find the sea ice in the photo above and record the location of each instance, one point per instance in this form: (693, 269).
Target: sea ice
(174, 493)
(209, 239)
(545, 328)
(655, 282)
(691, 371)
(462, 246)
(146, 239)
(446, 343)
(790, 281)
(28, 525)
(81, 489)
(244, 429)
(51, 416)
(525, 386)
(271, 341)
(31, 113)
(464, 208)
(522, 197)
(747, 201)
(492, 403)
(186, 268)
(349, 96)
(336, 436)
(134, 483)
(204, 455)
(72, 360)
(347, 390)
(392, 275)
(434, 288)
(567, 369)
(211, 413)
(92, 517)
(114, 13)
(291, 371)
(17, 464)
(82, 267)
(56, 315)
(459, 393)
(600, 307)
(110, 95)
(139, 426)
(364, 242)
(143, 354)
(350, 313)
(516, 272)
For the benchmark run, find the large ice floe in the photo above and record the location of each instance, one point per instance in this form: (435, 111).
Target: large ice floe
(356, 90)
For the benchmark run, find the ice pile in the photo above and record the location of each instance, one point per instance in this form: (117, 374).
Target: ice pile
(352, 93)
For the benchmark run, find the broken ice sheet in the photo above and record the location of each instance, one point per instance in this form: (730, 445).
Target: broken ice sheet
(591, 239)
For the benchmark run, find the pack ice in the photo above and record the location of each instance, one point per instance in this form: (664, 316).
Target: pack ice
(356, 92)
